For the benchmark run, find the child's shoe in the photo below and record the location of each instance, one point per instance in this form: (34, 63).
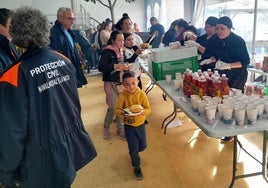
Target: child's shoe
(138, 173)
(107, 134)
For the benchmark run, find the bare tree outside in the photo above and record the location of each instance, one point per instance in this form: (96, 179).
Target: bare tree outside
(110, 4)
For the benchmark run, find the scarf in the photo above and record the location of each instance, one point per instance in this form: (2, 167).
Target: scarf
(119, 52)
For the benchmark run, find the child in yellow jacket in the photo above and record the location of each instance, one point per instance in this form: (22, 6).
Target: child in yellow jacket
(133, 106)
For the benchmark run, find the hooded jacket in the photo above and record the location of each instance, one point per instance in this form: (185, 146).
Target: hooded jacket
(43, 141)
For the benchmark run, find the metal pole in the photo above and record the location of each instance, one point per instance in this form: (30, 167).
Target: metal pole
(254, 29)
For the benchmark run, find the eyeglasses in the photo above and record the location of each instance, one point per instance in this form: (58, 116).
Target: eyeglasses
(70, 18)
(6, 26)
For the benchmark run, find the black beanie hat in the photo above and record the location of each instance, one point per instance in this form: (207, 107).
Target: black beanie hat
(212, 21)
(225, 20)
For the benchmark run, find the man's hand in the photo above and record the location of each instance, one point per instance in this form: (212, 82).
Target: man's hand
(220, 65)
(191, 43)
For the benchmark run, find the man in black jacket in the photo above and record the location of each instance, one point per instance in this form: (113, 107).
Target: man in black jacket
(8, 52)
(62, 40)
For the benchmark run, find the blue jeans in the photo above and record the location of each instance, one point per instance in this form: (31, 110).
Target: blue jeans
(136, 140)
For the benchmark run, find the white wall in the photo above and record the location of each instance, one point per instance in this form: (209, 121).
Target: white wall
(98, 11)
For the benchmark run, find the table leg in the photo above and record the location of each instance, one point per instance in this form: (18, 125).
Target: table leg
(263, 162)
(172, 116)
(169, 116)
(234, 162)
(149, 88)
(265, 157)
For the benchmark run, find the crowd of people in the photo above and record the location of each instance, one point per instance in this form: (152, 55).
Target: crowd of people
(45, 77)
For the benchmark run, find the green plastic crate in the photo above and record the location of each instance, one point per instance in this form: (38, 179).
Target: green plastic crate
(161, 69)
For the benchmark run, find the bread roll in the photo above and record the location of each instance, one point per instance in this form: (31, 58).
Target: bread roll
(145, 45)
(136, 108)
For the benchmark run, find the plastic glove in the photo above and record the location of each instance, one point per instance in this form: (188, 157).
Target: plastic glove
(187, 35)
(191, 43)
(174, 45)
(220, 65)
(206, 61)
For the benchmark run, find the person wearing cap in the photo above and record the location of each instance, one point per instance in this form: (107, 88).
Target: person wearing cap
(204, 43)
(231, 56)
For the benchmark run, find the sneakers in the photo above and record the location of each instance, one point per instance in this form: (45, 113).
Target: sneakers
(138, 173)
(107, 134)
(227, 139)
(121, 135)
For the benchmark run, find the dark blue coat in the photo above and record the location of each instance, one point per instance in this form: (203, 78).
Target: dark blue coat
(60, 43)
(6, 57)
(43, 141)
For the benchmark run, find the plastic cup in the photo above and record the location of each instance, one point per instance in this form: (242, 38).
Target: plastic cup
(201, 106)
(205, 97)
(210, 114)
(266, 107)
(194, 102)
(220, 110)
(227, 114)
(168, 78)
(257, 65)
(239, 115)
(260, 107)
(237, 92)
(252, 113)
(177, 84)
(178, 75)
(181, 83)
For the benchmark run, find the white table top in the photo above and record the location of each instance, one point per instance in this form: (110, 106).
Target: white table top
(145, 67)
(218, 129)
(257, 71)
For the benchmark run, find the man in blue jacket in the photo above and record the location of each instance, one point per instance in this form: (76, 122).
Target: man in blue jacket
(8, 52)
(62, 40)
(43, 141)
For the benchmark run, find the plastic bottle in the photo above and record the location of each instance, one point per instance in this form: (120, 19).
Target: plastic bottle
(202, 87)
(209, 72)
(216, 87)
(195, 85)
(265, 64)
(209, 84)
(225, 89)
(199, 72)
(187, 83)
(266, 86)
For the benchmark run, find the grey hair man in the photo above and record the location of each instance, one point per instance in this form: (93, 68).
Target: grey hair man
(62, 40)
(43, 141)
